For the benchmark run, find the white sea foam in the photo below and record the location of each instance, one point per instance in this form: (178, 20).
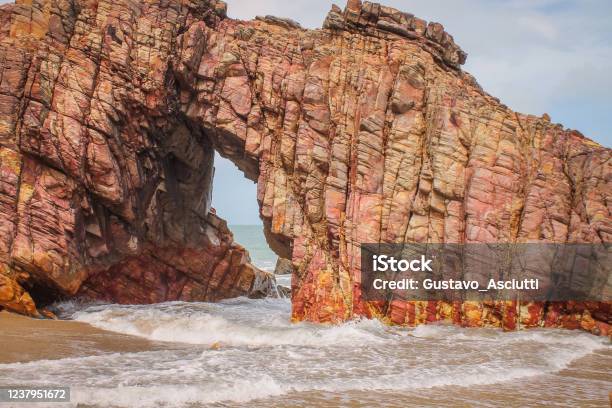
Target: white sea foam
(180, 395)
(283, 280)
(156, 379)
(262, 355)
(228, 323)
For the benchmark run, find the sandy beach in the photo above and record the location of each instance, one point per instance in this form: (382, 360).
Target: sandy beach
(24, 339)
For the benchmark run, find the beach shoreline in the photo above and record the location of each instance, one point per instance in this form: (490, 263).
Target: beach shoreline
(26, 339)
(105, 367)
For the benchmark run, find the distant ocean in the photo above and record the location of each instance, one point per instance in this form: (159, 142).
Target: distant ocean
(252, 238)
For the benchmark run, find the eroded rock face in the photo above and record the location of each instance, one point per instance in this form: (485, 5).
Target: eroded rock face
(104, 188)
(364, 131)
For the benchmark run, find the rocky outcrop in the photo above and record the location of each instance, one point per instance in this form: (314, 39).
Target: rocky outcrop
(385, 22)
(104, 190)
(217, 269)
(283, 267)
(364, 131)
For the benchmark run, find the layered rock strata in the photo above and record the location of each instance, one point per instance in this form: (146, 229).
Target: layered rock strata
(364, 131)
(104, 189)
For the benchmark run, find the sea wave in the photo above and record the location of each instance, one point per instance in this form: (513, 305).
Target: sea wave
(242, 350)
(174, 379)
(267, 323)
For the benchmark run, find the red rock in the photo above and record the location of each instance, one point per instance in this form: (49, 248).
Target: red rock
(365, 131)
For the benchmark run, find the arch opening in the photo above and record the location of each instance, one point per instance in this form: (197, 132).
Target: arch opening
(234, 199)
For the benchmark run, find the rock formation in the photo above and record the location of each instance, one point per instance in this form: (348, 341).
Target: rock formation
(104, 192)
(283, 267)
(364, 131)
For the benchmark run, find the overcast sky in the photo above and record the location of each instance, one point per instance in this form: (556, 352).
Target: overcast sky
(537, 56)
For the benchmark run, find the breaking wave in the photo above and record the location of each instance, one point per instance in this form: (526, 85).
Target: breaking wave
(244, 350)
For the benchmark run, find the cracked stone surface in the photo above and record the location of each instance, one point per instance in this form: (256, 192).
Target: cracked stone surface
(366, 130)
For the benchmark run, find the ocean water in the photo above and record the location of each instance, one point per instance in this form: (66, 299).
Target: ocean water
(252, 238)
(245, 352)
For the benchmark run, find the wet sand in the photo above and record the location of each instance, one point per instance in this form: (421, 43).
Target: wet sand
(24, 339)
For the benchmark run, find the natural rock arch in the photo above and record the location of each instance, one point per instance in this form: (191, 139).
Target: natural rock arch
(364, 131)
